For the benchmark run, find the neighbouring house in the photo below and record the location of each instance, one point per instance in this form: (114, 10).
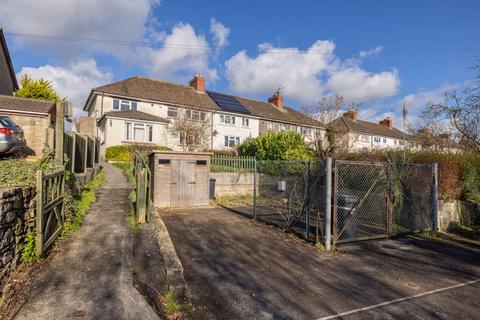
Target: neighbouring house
(8, 81)
(149, 111)
(35, 117)
(354, 135)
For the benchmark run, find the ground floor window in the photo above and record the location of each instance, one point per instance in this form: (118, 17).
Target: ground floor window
(231, 141)
(141, 132)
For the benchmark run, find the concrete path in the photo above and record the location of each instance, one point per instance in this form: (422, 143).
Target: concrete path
(91, 278)
(236, 269)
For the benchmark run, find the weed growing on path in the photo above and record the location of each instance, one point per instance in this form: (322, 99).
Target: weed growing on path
(132, 222)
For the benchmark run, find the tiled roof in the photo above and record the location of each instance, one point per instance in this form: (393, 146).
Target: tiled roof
(134, 115)
(269, 111)
(17, 104)
(361, 126)
(157, 90)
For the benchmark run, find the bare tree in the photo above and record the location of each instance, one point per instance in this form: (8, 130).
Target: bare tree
(325, 111)
(462, 109)
(194, 134)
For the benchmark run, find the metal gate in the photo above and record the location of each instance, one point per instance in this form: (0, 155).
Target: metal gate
(379, 200)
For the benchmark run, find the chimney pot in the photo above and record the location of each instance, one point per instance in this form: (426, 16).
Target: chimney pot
(352, 114)
(198, 83)
(388, 122)
(277, 100)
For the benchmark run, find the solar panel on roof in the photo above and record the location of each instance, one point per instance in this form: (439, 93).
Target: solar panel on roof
(228, 103)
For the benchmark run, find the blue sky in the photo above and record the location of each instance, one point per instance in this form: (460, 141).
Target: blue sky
(377, 53)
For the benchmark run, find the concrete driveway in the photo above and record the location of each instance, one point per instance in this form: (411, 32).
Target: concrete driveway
(236, 269)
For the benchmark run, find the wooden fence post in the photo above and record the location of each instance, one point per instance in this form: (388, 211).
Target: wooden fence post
(72, 156)
(59, 131)
(39, 217)
(85, 156)
(141, 196)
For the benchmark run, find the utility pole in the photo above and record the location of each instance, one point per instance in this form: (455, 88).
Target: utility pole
(404, 113)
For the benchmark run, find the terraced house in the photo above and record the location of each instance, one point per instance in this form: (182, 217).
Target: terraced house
(355, 135)
(141, 110)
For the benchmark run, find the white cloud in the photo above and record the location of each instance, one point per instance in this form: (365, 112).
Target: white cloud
(371, 53)
(417, 101)
(220, 34)
(299, 72)
(73, 82)
(358, 85)
(183, 54)
(307, 75)
(124, 20)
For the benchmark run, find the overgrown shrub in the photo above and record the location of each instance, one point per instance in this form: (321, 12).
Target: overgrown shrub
(126, 152)
(277, 146)
(29, 249)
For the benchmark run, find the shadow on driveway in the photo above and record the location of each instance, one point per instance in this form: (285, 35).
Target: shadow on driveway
(236, 269)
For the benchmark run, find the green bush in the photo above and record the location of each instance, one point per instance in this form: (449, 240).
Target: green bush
(277, 146)
(29, 249)
(125, 152)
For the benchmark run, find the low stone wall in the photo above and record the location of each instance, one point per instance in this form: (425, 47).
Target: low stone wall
(454, 212)
(17, 217)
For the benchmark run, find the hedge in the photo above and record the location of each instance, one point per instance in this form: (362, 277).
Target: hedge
(125, 152)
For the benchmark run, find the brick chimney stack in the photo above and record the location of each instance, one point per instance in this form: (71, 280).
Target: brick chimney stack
(198, 83)
(352, 114)
(388, 122)
(277, 100)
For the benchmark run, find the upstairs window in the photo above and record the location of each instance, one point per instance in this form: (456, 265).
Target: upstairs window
(401, 142)
(269, 125)
(226, 119)
(377, 139)
(245, 122)
(384, 140)
(305, 131)
(172, 112)
(195, 115)
(284, 127)
(124, 105)
(364, 138)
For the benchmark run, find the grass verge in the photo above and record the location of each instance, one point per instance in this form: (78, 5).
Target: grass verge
(78, 208)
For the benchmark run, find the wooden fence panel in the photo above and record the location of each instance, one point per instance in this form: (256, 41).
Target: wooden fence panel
(50, 208)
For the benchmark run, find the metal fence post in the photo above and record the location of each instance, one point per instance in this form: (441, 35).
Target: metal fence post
(435, 198)
(307, 213)
(255, 189)
(328, 203)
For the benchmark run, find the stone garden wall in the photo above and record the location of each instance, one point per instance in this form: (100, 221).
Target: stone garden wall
(17, 217)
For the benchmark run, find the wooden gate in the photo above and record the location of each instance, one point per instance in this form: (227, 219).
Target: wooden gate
(50, 208)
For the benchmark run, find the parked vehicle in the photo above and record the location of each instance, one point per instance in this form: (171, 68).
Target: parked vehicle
(11, 136)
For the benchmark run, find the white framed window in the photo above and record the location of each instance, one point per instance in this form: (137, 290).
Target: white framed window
(377, 139)
(384, 140)
(231, 141)
(139, 132)
(172, 112)
(395, 142)
(284, 127)
(245, 122)
(401, 142)
(124, 105)
(226, 119)
(195, 115)
(305, 131)
(269, 125)
(192, 139)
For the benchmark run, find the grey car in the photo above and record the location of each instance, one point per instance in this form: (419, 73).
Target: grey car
(11, 136)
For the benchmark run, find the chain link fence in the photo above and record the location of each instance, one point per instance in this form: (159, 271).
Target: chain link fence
(378, 200)
(369, 200)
